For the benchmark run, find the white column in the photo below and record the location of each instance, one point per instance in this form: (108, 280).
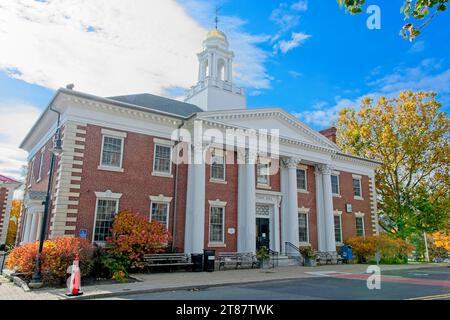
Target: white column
(198, 207)
(242, 200)
(40, 216)
(33, 227)
(230, 70)
(276, 227)
(250, 205)
(26, 234)
(328, 208)
(189, 223)
(290, 217)
(322, 245)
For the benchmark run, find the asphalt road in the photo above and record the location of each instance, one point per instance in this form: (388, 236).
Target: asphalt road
(433, 282)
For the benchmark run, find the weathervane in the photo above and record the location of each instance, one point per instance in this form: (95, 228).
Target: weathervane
(217, 16)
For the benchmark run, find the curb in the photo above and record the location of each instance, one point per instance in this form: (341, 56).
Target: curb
(193, 287)
(8, 274)
(181, 288)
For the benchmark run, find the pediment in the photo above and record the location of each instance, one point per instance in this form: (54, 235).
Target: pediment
(287, 124)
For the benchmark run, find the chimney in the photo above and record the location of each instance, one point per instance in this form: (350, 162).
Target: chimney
(330, 133)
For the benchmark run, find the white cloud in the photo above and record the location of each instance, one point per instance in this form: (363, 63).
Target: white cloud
(287, 16)
(417, 47)
(301, 5)
(297, 38)
(108, 48)
(16, 120)
(294, 74)
(426, 76)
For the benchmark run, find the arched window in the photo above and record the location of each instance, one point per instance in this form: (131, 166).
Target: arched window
(221, 70)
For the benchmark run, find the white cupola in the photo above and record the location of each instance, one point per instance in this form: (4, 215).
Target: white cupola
(215, 90)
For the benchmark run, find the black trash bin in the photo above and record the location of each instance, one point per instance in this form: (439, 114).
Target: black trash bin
(209, 260)
(197, 262)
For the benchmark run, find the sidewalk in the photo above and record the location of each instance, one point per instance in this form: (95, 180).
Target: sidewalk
(157, 282)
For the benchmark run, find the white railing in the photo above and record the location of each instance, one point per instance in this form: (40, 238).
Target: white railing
(209, 82)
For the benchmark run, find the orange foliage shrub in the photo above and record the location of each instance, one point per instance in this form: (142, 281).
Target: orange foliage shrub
(133, 236)
(57, 255)
(392, 250)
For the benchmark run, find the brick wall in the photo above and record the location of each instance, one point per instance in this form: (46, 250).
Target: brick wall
(136, 183)
(224, 192)
(347, 196)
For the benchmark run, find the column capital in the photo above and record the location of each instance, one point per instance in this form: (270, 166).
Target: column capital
(324, 169)
(291, 162)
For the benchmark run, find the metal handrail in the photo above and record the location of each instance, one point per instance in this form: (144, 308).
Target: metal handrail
(274, 255)
(293, 251)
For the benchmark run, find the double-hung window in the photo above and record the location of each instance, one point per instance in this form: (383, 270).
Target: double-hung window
(338, 228)
(303, 234)
(162, 159)
(160, 213)
(335, 185)
(301, 180)
(218, 167)
(360, 226)
(262, 169)
(217, 224)
(105, 211)
(41, 164)
(112, 150)
(357, 190)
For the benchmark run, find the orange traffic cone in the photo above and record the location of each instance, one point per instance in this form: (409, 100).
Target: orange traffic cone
(75, 279)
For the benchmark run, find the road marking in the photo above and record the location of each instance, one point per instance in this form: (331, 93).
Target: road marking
(327, 273)
(365, 276)
(434, 297)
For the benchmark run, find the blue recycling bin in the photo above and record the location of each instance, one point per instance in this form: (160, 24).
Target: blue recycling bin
(346, 253)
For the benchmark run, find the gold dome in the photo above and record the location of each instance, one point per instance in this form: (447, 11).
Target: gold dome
(216, 33)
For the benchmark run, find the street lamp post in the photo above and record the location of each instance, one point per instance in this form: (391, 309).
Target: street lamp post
(36, 280)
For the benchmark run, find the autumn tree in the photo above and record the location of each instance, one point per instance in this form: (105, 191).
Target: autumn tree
(410, 136)
(13, 222)
(421, 11)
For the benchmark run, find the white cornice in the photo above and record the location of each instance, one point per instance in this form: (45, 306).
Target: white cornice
(271, 113)
(149, 115)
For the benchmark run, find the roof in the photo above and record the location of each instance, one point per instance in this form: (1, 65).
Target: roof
(5, 179)
(158, 103)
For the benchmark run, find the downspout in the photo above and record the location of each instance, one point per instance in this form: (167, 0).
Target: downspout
(175, 197)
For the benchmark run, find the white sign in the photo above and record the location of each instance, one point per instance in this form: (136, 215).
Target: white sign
(231, 231)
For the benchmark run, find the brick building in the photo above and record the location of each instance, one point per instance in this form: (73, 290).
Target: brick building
(143, 153)
(7, 188)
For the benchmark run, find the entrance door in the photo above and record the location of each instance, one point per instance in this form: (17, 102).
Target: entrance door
(262, 233)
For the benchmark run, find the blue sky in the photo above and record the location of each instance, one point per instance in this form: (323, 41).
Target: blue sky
(307, 57)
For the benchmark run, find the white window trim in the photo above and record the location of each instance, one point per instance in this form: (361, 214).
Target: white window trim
(162, 143)
(363, 224)
(219, 153)
(359, 178)
(217, 204)
(304, 210)
(304, 168)
(161, 200)
(264, 161)
(115, 135)
(107, 195)
(337, 195)
(361, 215)
(41, 164)
(32, 172)
(338, 213)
